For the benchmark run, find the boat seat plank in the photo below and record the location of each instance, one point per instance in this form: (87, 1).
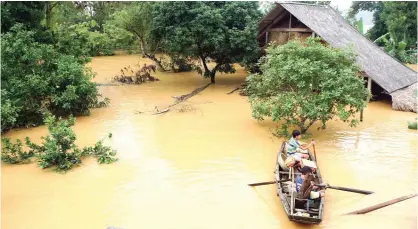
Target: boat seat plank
(310, 212)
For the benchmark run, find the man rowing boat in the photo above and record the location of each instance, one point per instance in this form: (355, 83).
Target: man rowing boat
(295, 149)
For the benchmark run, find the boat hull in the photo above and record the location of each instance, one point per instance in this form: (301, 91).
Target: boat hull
(300, 214)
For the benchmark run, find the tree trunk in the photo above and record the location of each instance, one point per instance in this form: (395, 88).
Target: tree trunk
(304, 128)
(212, 78)
(156, 61)
(48, 14)
(147, 55)
(48, 17)
(207, 71)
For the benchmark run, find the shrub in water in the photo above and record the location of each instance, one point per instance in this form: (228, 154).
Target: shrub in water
(58, 149)
(13, 153)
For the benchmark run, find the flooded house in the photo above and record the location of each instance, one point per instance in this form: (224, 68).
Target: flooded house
(385, 75)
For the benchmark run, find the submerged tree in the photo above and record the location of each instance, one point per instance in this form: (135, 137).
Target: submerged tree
(303, 83)
(222, 32)
(137, 18)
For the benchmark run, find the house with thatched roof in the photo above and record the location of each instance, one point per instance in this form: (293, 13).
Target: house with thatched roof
(383, 72)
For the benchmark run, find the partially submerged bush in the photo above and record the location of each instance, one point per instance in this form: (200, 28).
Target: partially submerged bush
(178, 63)
(58, 149)
(13, 153)
(104, 154)
(143, 74)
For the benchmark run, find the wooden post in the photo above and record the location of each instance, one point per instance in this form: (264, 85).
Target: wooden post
(290, 25)
(369, 86)
(313, 34)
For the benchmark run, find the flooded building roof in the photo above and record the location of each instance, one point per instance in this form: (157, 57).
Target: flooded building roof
(327, 23)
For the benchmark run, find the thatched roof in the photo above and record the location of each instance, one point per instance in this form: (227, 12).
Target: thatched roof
(405, 99)
(386, 71)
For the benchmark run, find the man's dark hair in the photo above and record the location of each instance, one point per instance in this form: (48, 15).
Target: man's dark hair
(295, 133)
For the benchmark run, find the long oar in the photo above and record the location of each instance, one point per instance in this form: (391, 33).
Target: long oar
(365, 192)
(382, 205)
(268, 182)
(314, 151)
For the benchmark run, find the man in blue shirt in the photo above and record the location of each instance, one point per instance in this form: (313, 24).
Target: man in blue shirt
(299, 179)
(293, 147)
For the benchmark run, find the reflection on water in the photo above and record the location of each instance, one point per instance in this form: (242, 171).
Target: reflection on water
(190, 169)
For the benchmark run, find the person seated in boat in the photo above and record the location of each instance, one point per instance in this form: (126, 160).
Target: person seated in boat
(308, 189)
(300, 178)
(295, 149)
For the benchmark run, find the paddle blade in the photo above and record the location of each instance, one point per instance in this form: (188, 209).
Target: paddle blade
(268, 182)
(351, 190)
(262, 183)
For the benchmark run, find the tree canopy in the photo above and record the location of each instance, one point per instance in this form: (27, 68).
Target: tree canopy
(395, 26)
(27, 13)
(42, 69)
(137, 19)
(223, 32)
(304, 83)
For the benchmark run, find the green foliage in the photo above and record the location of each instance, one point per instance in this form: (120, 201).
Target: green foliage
(68, 13)
(401, 21)
(359, 25)
(413, 125)
(223, 32)
(13, 153)
(302, 83)
(266, 6)
(104, 154)
(38, 77)
(80, 40)
(379, 28)
(28, 13)
(9, 112)
(58, 149)
(179, 63)
(136, 18)
(119, 38)
(395, 19)
(396, 48)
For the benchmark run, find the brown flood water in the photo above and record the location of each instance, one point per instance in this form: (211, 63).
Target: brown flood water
(190, 169)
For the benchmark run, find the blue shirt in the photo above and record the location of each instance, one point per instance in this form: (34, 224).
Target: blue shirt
(299, 181)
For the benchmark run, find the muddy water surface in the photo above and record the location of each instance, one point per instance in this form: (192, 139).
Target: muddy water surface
(189, 168)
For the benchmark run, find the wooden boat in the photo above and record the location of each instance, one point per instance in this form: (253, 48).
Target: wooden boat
(297, 210)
